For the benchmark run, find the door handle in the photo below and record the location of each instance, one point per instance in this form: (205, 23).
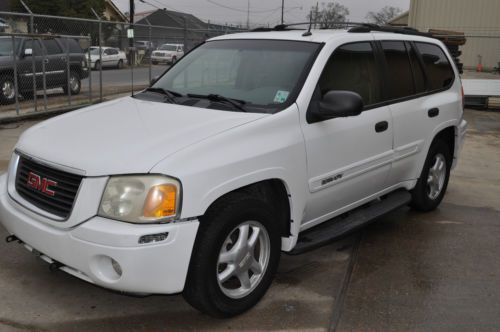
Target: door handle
(433, 112)
(381, 126)
(46, 60)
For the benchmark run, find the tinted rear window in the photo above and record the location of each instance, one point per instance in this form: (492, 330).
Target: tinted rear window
(399, 72)
(74, 46)
(418, 72)
(51, 46)
(439, 71)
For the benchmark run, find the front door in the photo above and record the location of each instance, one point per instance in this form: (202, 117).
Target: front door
(348, 158)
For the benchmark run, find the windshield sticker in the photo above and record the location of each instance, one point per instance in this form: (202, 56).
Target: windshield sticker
(281, 96)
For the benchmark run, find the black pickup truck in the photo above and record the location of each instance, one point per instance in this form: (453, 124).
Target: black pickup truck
(50, 65)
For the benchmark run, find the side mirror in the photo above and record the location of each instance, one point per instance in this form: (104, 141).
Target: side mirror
(336, 104)
(28, 52)
(154, 80)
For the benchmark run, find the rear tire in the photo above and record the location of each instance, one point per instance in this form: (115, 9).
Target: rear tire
(224, 278)
(433, 181)
(97, 65)
(75, 83)
(120, 64)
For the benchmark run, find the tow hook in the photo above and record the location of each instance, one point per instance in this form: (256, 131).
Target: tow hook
(54, 266)
(12, 238)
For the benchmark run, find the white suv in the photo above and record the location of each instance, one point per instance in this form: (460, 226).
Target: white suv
(167, 53)
(198, 183)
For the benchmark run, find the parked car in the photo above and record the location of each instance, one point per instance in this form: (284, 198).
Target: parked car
(50, 63)
(110, 57)
(167, 53)
(250, 145)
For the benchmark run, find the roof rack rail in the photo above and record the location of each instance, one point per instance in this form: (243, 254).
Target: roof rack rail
(369, 27)
(354, 27)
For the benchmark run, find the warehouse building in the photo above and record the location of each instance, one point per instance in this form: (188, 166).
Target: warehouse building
(478, 19)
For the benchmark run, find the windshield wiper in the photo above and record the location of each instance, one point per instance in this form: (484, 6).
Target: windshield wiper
(236, 103)
(170, 95)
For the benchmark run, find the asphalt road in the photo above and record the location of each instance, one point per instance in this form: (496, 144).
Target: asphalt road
(407, 271)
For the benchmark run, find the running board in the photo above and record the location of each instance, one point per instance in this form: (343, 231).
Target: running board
(343, 224)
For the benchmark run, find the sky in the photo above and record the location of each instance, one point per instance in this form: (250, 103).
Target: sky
(262, 12)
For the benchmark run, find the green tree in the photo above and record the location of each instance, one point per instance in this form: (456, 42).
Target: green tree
(329, 15)
(384, 15)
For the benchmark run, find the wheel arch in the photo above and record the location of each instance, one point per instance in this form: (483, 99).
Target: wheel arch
(273, 190)
(447, 132)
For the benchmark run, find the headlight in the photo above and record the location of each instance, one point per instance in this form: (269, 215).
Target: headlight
(141, 199)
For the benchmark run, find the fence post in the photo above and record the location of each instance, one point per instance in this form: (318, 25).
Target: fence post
(44, 78)
(33, 66)
(151, 52)
(16, 88)
(185, 34)
(68, 72)
(100, 53)
(89, 67)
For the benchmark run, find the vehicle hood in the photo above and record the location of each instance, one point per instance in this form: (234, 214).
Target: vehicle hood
(126, 135)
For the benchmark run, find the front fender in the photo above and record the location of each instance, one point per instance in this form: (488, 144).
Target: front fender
(269, 148)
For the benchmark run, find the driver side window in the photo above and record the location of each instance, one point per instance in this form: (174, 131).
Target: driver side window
(353, 67)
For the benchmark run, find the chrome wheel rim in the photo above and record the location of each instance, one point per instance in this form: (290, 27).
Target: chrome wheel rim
(8, 90)
(73, 83)
(243, 259)
(436, 177)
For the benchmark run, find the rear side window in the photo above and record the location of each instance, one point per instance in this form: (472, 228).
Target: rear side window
(439, 71)
(352, 67)
(51, 46)
(418, 72)
(399, 70)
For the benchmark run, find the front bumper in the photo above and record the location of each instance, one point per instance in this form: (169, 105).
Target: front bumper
(159, 58)
(90, 249)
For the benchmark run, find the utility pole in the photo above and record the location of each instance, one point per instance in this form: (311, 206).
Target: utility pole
(282, 11)
(316, 14)
(248, 15)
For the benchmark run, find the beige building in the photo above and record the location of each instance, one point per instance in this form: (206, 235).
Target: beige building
(478, 19)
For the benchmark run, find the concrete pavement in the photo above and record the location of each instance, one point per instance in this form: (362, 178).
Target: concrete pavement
(407, 271)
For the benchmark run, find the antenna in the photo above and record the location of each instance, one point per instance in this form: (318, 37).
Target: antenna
(308, 32)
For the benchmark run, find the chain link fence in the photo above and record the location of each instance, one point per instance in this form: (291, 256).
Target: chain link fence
(50, 63)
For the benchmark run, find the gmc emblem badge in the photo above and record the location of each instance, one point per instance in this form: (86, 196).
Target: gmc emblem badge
(36, 182)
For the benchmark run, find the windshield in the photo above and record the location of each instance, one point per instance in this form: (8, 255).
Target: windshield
(6, 46)
(168, 48)
(261, 73)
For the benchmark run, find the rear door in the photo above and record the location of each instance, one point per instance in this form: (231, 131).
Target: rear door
(55, 63)
(348, 158)
(420, 101)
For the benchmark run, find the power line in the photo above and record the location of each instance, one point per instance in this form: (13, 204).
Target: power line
(242, 10)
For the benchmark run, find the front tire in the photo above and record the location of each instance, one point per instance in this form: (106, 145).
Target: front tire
(433, 181)
(7, 90)
(120, 64)
(235, 257)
